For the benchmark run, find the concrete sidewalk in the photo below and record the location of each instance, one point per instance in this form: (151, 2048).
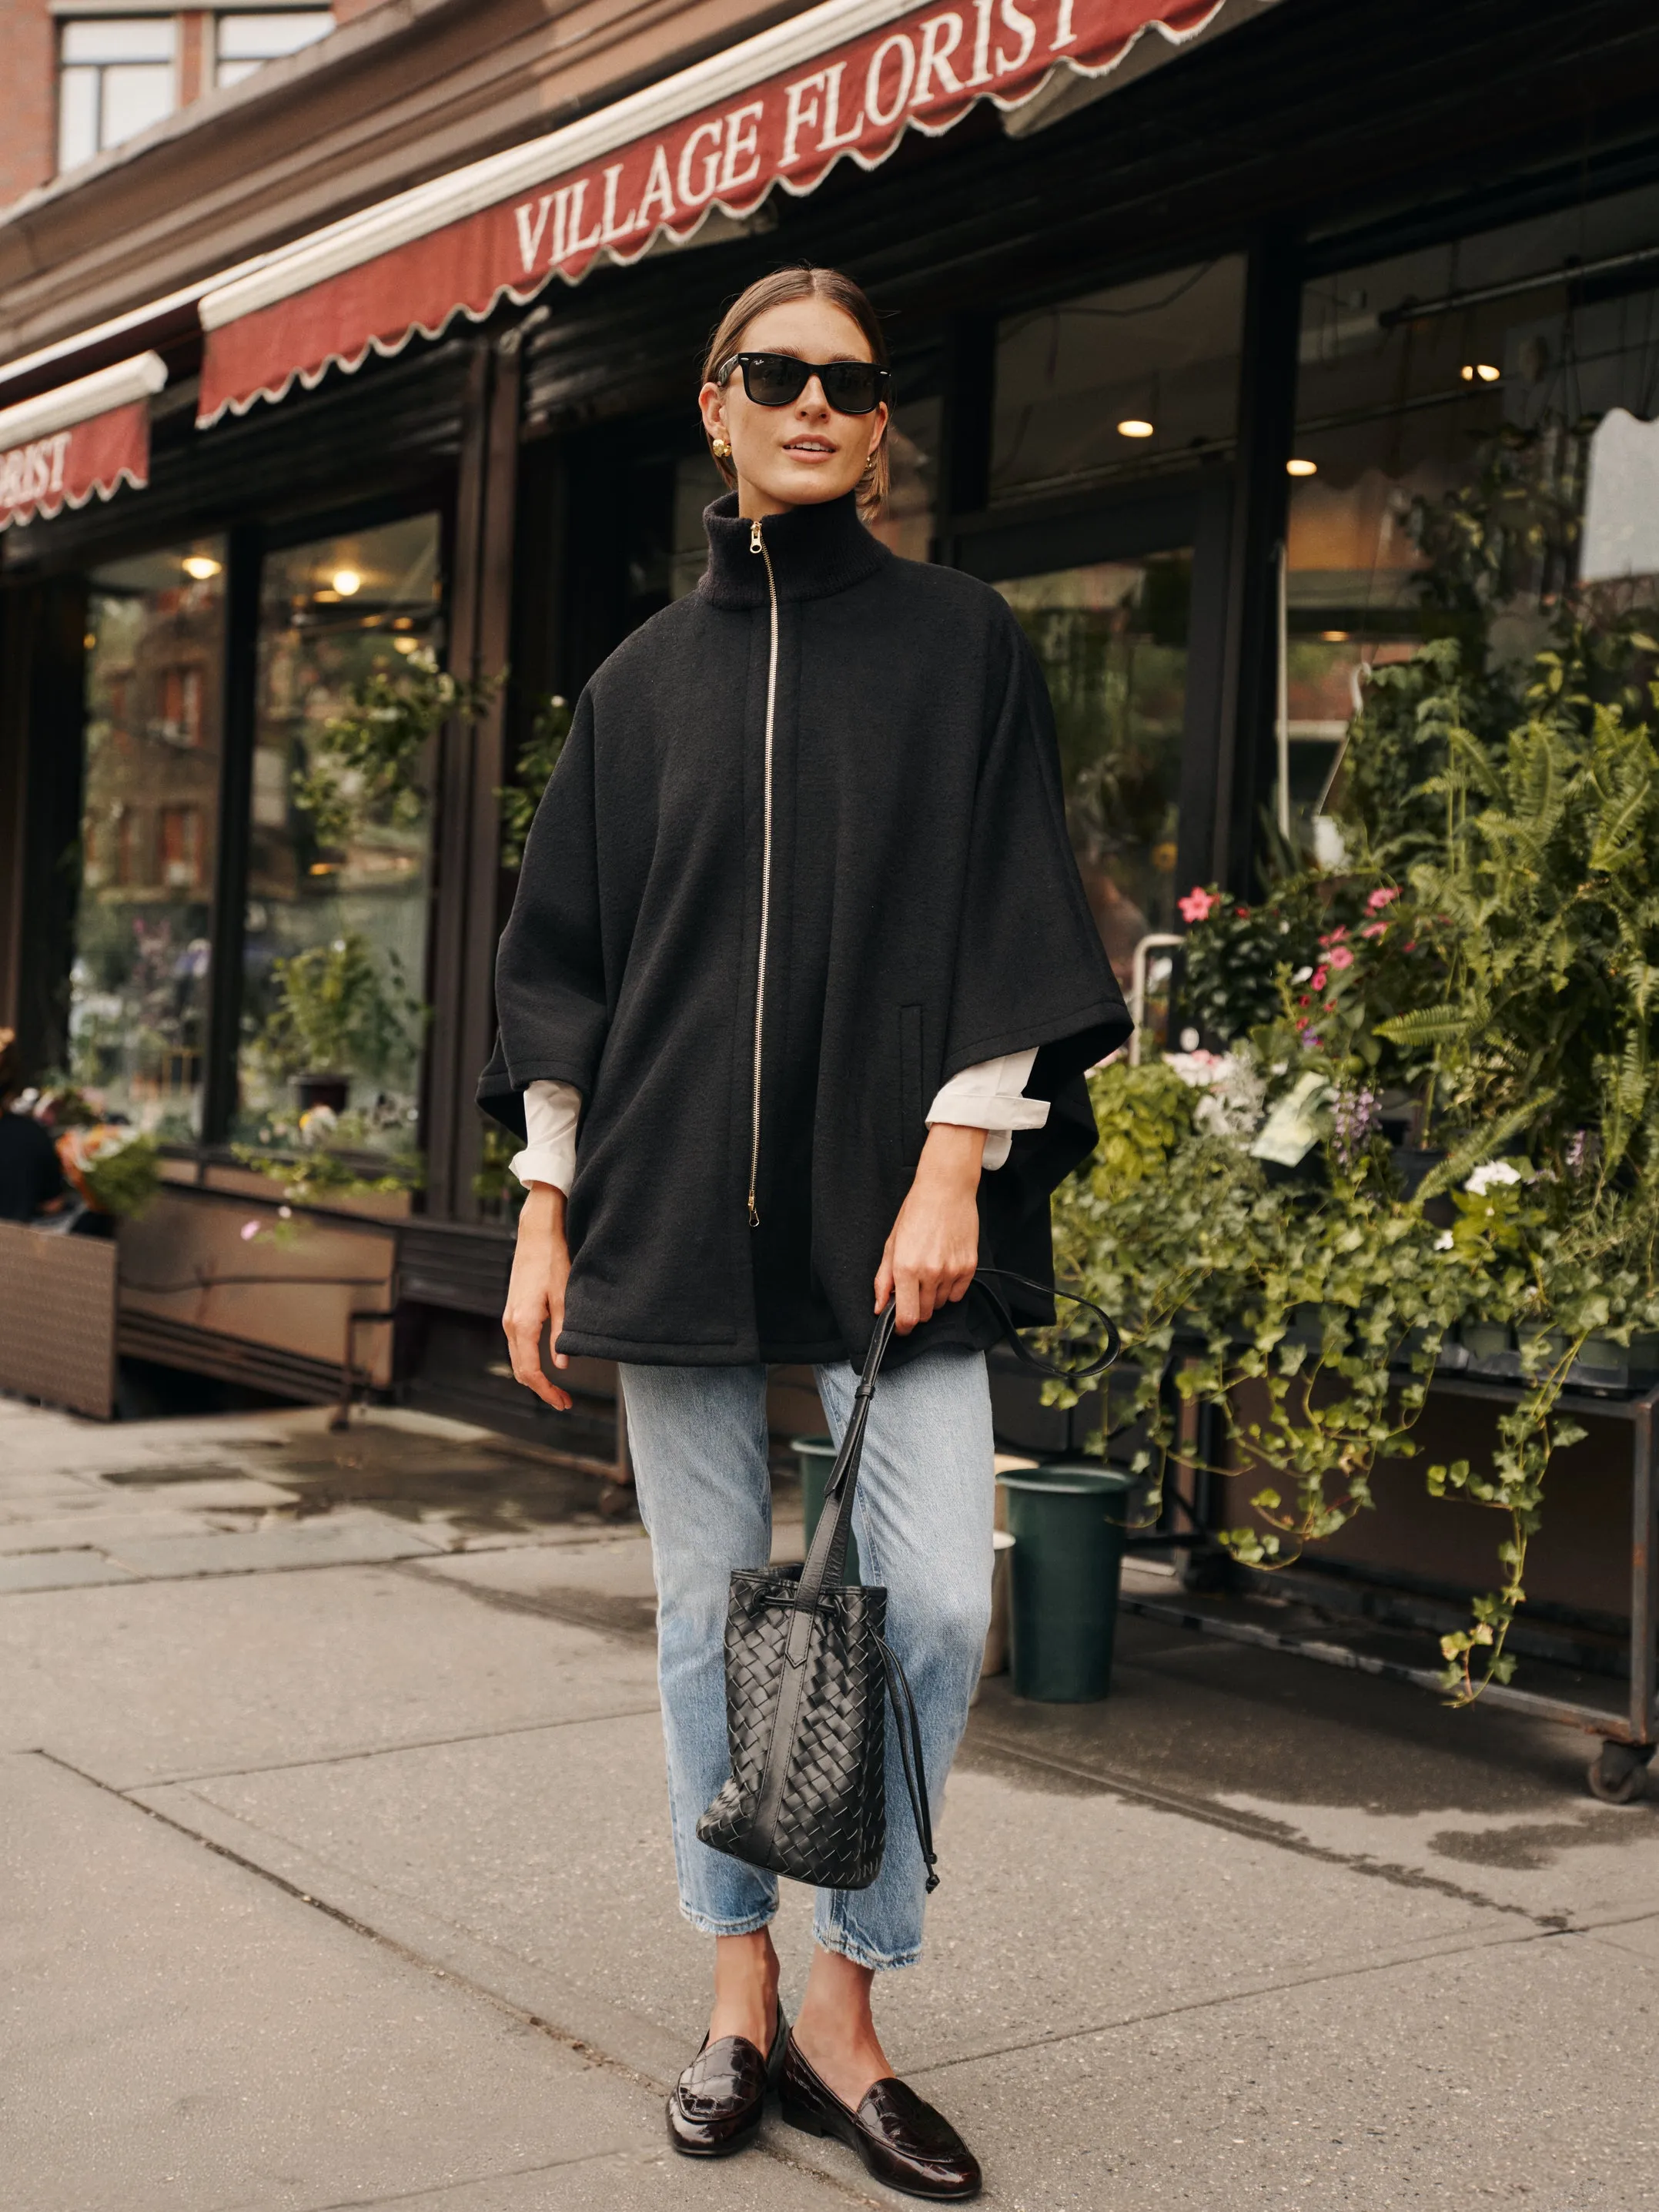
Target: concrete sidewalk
(336, 1873)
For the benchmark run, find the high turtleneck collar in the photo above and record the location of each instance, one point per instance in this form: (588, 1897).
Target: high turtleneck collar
(815, 551)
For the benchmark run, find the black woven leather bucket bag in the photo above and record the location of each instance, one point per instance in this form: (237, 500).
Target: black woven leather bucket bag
(809, 1676)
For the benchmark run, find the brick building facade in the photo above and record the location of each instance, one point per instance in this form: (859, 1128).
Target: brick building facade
(80, 79)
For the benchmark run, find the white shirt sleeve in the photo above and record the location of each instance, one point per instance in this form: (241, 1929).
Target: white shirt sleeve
(550, 1114)
(991, 1096)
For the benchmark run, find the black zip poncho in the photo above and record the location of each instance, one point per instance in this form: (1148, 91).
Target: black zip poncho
(924, 913)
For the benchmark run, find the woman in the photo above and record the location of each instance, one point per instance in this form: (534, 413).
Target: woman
(31, 1180)
(799, 954)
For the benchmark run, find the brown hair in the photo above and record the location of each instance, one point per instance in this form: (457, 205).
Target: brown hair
(802, 281)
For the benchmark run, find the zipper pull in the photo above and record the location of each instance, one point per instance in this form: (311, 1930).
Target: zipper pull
(754, 1217)
(754, 545)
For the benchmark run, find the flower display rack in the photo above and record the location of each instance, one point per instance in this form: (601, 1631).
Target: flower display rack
(1617, 1773)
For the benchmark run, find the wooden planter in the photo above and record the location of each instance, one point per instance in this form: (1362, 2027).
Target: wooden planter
(57, 1319)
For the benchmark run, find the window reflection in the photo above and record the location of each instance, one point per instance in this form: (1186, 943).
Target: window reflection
(336, 899)
(1143, 376)
(138, 984)
(1112, 639)
(1475, 434)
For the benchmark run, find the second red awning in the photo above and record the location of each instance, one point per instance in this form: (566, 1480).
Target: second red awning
(83, 441)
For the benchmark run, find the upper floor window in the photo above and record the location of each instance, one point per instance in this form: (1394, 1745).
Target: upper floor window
(243, 43)
(118, 75)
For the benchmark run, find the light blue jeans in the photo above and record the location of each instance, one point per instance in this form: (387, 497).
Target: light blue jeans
(923, 1520)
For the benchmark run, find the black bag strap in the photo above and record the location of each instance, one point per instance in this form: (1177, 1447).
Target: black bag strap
(1023, 1352)
(827, 1560)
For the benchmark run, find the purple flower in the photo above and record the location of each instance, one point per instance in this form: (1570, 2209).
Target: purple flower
(1354, 1122)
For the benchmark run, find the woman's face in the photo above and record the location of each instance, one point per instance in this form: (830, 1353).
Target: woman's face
(804, 453)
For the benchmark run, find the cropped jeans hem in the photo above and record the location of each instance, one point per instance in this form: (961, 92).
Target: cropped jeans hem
(837, 1937)
(704, 1925)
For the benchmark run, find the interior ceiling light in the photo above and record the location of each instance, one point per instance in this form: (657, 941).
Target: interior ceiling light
(201, 566)
(407, 644)
(346, 582)
(1301, 468)
(1135, 426)
(1335, 637)
(1484, 370)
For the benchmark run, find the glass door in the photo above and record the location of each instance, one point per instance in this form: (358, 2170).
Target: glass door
(1112, 637)
(139, 987)
(340, 837)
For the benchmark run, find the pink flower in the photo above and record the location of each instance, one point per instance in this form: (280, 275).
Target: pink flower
(249, 1230)
(1374, 929)
(1335, 936)
(1341, 957)
(1318, 979)
(1198, 905)
(1384, 894)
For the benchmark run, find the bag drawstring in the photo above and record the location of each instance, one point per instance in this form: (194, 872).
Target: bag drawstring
(1023, 1352)
(910, 1744)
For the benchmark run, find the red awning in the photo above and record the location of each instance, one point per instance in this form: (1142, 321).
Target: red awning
(845, 79)
(83, 441)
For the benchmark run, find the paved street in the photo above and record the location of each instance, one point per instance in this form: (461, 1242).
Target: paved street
(336, 1872)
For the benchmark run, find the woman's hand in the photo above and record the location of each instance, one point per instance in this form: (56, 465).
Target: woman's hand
(933, 1250)
(535, 1297)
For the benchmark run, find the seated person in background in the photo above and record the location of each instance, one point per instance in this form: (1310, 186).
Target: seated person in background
(31, 1181)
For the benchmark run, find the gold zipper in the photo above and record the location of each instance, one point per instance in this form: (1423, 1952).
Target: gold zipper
(757, 544)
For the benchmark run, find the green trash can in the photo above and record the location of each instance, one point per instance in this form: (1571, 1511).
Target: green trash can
(816, 1457)
(1067, 1521)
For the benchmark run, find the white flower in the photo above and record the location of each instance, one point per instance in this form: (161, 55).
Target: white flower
(1233, 1088)
(1203, 1070)
(1494, 1172)
(1442, 1242)
(1300, 975)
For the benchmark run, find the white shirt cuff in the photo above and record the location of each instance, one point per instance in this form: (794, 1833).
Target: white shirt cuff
(991, 1096)
(551, 1111)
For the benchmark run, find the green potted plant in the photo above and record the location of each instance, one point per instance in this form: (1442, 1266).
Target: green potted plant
(370, 765)
(539, 756)
(339, 1012)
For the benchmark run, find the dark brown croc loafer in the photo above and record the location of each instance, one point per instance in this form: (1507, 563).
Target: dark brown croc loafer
(717, 2102)
(902, 2139)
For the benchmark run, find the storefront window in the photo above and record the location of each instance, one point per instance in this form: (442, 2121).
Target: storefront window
(1143, 376)
(339, 866)
(138, 984)
(1474, 432)
(1112, 639)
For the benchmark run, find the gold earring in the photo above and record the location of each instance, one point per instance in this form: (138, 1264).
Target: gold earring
(719, 449)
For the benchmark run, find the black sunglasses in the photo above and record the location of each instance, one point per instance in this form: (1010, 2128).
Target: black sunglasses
(776, 379)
